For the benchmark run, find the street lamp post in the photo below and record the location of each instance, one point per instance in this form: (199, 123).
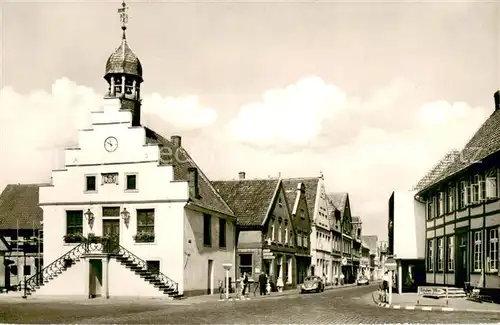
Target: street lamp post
(227, 267)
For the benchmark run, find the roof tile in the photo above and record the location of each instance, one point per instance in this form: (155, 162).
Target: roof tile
(484, 143)
(19, 203)
(209, 197)
(249, 199)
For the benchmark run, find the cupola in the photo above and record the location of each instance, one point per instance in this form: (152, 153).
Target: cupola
(124, 73)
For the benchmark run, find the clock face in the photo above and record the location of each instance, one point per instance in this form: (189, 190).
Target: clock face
(110, 144)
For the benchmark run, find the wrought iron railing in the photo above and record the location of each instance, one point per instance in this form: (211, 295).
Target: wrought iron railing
(155, 272)
(55, 268)
(94, 245)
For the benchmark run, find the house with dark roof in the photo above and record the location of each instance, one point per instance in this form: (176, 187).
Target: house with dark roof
(131, 213)
(267, 239)
(462, 212)
(322, 262)
(297, 197)
(20, 230)
(344, 237)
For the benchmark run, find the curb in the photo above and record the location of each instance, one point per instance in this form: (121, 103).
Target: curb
(427, 308)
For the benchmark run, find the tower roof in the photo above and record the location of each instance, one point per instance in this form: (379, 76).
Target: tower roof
(123, 59)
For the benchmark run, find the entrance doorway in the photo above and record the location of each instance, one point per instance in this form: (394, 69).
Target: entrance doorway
(210, 277)
(111, 229)
(95, 278)
(461, 263)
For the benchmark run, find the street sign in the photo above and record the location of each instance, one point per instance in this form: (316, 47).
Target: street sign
(390, 264)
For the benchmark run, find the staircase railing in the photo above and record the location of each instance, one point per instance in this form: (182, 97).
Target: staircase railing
(155, 272)
(89, 245)
(56, 267)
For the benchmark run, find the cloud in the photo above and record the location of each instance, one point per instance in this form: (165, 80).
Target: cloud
(184, 113)
(367, 146)
(290, 117)
(34, 127)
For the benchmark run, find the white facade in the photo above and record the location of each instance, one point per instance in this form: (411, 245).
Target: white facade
(321, 236)
(156, 190)
(409, 226)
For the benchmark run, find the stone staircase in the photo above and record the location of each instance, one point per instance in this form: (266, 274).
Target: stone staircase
(151, 275)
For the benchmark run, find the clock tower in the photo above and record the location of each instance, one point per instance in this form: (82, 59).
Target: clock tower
(124, 74)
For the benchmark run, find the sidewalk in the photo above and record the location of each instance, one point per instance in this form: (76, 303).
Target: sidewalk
(233, 296)
(412, 301)
(16, 297)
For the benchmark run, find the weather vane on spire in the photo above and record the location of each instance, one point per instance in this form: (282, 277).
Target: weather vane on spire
(123, 16)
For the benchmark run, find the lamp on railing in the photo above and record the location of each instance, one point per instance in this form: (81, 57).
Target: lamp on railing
(126, 216)
(90, 218)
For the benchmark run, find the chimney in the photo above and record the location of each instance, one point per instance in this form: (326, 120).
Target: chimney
(497, 100)
(241, 175)
(193, 182)
(176, 140)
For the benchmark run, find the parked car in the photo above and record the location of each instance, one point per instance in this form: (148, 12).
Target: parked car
(312, 283)
(363, 280)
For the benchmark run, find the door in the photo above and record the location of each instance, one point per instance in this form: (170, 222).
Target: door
(461, 262)
(111, 230)
(95, 278)
(210, 277)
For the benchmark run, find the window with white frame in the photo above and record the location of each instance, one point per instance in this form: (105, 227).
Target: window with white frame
(476, 189)
(299, 239)
(478, 241)
(491, 184)
(451, 253)
(286, 234)
(440, 254)
(430, 208)
(440, 211)
(430, 255)
(272, 231)
(451, 199)
(304, 241)
(464, 194)
(493, 249)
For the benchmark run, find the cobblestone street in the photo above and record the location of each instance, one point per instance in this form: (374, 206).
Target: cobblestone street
(344, 305)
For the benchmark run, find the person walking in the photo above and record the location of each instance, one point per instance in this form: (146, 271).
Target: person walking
(245, 283)
(262, 283)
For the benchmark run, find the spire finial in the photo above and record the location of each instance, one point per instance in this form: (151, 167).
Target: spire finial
(123, 16)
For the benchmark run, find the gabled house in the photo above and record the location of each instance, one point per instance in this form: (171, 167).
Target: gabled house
(296, 194)
(21, 228)
(321, 237)
(131, 213)
(343, 218)
(462, 212)
(265, 229)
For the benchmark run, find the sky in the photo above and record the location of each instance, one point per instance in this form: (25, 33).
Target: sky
(370, 94)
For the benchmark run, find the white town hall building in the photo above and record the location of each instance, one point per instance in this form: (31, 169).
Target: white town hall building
(131, 213)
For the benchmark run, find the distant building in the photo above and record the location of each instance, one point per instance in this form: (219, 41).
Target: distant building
(21, 229)
(372, 243)
(342, 232)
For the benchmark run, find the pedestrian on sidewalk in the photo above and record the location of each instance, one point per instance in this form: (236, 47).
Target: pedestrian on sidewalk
(245, 283)
(262, 283)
